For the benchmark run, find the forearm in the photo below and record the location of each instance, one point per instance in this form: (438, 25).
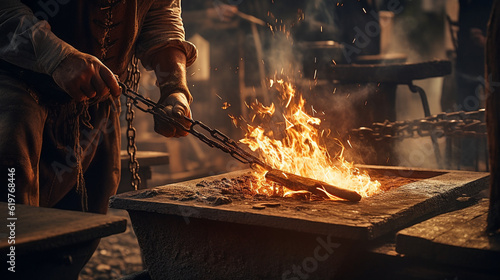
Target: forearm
(162, 47)
(170, 70)
(163, 29)
(29, 43)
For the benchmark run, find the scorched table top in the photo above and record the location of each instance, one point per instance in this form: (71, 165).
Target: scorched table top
(434, 192)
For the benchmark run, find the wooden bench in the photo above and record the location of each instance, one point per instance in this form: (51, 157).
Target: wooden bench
(457, 238)
(452, 245)
(51, 243)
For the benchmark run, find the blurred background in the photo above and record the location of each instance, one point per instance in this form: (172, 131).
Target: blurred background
(244, 44)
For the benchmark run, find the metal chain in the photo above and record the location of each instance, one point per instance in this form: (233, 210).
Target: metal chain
(460, 124)
(216, 139)
(133, 165)
(132, 81)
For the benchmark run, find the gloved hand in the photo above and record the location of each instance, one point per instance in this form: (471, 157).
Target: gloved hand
(174, 105)
(83, 76)
(169, 65)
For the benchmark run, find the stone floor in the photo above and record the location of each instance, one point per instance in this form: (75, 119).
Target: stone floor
(117, 255)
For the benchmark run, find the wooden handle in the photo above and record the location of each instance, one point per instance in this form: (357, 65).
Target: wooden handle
(299, 183)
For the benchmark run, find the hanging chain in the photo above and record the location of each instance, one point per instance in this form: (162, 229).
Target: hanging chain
(460, 124)
(216, 139)
(133, 165)
(133, 76)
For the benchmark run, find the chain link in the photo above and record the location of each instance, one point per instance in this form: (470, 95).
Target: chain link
(459, 124)
(132, 82)
(216, 139)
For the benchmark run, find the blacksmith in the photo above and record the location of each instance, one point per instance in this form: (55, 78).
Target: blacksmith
(59, 97)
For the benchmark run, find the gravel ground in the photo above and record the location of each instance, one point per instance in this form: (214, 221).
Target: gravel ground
(116, 256)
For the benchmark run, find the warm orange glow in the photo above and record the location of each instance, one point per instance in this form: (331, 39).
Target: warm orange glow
(290, 141)
(225, 105)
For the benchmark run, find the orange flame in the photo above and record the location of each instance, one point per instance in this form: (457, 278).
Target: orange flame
(296, 148)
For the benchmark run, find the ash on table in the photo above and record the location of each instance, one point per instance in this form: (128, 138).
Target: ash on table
(245, 187)
(240, 188)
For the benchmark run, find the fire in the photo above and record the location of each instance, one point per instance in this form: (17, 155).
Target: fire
(289, 140)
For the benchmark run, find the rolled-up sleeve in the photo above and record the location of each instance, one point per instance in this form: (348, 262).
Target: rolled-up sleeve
(28, 42)
(163, 28)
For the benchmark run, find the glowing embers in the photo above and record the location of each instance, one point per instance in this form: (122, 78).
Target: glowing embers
(289, 139)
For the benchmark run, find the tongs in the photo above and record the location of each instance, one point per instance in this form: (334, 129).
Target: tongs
(222, 142)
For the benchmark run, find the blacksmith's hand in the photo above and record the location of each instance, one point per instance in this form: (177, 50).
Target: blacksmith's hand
(175, 105)
(83, 77)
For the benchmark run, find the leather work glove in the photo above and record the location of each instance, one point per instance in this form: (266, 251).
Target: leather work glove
(174, 105)
(83, 77)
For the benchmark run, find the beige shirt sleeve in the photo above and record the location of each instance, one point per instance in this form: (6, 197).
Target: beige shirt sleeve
(28, 42)
(163, 28)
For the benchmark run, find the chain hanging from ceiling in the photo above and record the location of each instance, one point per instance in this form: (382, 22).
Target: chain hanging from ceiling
(133, 165)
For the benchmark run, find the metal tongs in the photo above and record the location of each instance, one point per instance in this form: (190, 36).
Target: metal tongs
(222, 142)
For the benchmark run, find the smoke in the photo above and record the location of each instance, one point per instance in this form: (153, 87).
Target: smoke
(344, 107)
(307, 65)
(419, 32)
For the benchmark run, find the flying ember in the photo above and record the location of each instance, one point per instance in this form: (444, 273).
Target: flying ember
(288, 139)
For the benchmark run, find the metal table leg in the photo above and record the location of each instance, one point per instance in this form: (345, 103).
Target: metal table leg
(427, 113)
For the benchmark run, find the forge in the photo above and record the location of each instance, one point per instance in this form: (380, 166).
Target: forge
(213, 228)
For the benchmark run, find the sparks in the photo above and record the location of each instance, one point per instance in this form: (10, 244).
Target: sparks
(225, 105)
